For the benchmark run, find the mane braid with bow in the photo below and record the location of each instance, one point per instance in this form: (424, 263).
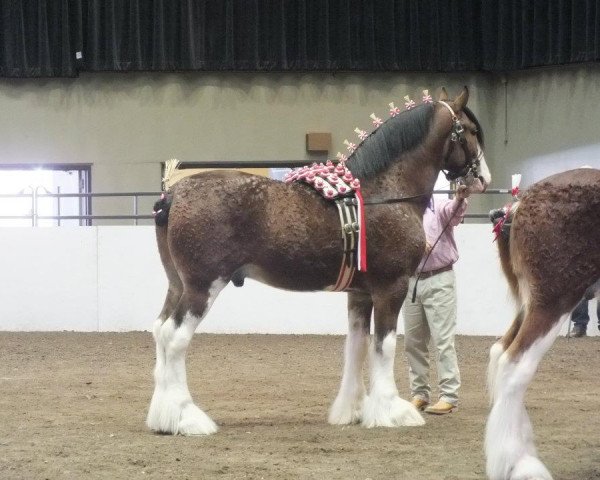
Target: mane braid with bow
(398, 134)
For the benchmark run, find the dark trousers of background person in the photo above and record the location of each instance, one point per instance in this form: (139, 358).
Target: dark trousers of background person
(581, 317)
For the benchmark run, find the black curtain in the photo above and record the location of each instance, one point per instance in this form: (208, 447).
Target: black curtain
(427, 35)
(519, 34)
(64, 37)
(39, 38)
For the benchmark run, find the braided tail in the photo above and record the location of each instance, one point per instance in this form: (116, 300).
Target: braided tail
(161, 210)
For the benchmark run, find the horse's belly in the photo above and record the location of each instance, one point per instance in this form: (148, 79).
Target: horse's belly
(297, 276)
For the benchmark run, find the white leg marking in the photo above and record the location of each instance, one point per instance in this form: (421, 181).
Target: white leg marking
(510, 452)
(172, 409)
(347, 407)
(384, 407)
(495, 352)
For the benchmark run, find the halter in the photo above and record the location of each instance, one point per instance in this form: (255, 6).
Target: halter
(458, 135)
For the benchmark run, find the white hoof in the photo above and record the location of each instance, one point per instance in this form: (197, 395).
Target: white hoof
(390, 412)
(195, 422)
(345, 411)
(530, 468)
(177, 415)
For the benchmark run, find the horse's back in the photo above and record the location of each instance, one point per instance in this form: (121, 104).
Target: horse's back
(556, 234)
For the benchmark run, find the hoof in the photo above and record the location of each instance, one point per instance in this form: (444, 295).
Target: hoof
(177, 415)
(345, 412)
(390, 412)
(530, 468)
(195, 422)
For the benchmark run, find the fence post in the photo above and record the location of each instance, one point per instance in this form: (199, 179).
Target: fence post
(135, 209)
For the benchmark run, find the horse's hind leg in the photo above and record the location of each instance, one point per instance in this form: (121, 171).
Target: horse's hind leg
(172, 409)
(498, 349)
(510, 452)
(175, 284)
(383, 407)
(347, 407)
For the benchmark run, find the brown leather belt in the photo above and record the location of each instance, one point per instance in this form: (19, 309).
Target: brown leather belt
(431, 273)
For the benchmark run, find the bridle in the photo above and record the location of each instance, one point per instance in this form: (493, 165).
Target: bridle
(457, 135)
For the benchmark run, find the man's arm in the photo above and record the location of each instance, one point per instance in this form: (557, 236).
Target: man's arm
(458, 204)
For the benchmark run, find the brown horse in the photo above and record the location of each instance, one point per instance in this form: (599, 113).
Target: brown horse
(226, 225)
(551, 258)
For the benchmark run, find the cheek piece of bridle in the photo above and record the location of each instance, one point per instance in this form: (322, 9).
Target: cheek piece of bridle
(457, 135)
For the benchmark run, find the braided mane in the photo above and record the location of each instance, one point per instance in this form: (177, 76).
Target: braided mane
(398, 134)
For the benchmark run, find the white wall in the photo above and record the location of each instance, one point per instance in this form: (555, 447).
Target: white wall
(110, 279)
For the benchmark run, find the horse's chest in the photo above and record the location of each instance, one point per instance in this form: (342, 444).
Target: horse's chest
(395, 242)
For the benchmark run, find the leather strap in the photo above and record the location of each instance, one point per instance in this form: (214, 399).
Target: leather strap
(347, 209)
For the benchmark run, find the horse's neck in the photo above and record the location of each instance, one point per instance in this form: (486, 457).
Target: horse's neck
(415, 174)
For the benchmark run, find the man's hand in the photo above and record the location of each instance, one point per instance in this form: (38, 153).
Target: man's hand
(463, 192)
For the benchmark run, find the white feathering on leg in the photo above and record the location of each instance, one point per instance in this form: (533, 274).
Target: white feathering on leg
(383, 407)
(347, 407)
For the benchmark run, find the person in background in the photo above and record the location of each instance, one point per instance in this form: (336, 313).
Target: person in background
(432, 316)
(581, 318)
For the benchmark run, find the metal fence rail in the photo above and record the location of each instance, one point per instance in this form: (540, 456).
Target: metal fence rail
(35, 198)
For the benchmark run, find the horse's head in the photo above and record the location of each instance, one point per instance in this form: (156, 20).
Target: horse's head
(463, 152)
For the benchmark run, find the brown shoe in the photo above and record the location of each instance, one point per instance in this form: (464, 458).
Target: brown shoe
(419, 403)
(440, 408)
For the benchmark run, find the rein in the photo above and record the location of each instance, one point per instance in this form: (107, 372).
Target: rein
(386, 201)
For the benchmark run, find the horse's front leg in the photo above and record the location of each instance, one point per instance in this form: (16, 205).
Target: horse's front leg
(172, 409)
(348, 405)
(383, 407)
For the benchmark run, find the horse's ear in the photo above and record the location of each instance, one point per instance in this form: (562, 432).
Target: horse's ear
(443, 95)
(461, 101)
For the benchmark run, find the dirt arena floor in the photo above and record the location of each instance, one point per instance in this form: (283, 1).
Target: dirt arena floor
(73, 405)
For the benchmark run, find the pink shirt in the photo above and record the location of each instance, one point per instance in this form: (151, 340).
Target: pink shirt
(435, 218)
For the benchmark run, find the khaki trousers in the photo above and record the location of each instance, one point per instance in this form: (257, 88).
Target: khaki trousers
(432, 317)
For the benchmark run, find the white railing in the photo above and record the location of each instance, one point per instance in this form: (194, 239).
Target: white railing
(35, 197)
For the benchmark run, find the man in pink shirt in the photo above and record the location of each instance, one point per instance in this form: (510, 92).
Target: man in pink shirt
(433, 314)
